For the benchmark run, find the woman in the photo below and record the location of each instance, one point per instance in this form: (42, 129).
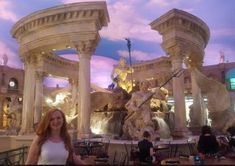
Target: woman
(207, 143)
(146, 148)
(52, 144)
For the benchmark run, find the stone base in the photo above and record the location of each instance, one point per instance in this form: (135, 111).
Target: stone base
(196, 130)
(26, 131)
(84, 135)
(178, 134)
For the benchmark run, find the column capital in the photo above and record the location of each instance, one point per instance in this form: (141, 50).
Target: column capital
(73, 81)
(194, 59)
(86, 48)
(31, 58)
(180, 49)
(39, 75)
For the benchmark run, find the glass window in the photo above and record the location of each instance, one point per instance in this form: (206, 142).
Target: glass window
(232, 83)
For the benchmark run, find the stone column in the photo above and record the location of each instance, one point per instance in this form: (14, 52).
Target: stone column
(38, 96)
(198, 113)
(85, 50)
(74, 90)
(28, 96)
(1, 112)
(179, 98)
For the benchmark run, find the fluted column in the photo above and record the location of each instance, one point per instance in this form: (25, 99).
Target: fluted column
(179, 97)
(28, 96)
(1, 112)
(74, 89)
(38, 96)
(85, 50)
(198, 111)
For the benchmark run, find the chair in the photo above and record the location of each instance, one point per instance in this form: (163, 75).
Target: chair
(119, 159)
(192, 146)
(103, 152)
(163, 150)
(127, 153)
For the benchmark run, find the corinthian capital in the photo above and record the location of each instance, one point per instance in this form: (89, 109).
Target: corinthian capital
(86, 48)
(39, 75)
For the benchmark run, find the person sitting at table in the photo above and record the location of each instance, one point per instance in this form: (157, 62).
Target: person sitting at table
(231, 132)
(146, 148)
(207, 144)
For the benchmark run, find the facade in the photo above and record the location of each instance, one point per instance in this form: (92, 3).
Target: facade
(11, 92)
(156, 71)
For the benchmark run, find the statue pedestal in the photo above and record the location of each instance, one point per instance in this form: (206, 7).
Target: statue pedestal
(178, 134)
(196, 130)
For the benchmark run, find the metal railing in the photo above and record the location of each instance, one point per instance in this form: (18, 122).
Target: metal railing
(14, 156)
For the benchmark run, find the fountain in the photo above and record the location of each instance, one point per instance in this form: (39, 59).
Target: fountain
(117, 113)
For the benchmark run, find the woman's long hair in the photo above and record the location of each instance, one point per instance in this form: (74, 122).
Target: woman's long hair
(43, 131)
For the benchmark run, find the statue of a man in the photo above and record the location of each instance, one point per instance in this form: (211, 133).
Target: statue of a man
(139, 118)
(119, 75)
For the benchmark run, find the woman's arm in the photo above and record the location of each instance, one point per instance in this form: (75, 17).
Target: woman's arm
(33, 153)
(77, 160)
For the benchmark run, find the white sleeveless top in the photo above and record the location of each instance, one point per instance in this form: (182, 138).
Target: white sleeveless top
(53, 153)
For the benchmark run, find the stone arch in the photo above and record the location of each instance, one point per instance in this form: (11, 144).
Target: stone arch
(74, 26)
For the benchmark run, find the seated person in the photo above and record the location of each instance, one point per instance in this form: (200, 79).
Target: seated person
(207, 144)
(231, 132)
(146, 148)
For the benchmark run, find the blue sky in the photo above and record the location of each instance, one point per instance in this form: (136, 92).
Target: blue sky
(129, 19)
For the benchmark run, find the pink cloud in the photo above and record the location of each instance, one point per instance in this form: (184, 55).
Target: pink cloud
(127, 22)
(212, 54)
(226, 32)
(5, 12)
(73, 1)
(138, 55)
(101, 69)
(13, 59)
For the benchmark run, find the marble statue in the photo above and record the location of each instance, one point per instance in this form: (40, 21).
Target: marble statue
(140, 116)
(219, 104)
(119, 75)
(14, 116)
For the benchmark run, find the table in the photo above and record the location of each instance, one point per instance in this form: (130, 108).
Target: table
(88, 146)
(190, 161)
(93, 160)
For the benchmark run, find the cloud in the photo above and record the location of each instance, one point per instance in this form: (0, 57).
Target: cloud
(13, 59)
(5, 12)
(101, 69)
(73, 1)
(224, 32)
(127, 22)
(160, 3)
(138, 55)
